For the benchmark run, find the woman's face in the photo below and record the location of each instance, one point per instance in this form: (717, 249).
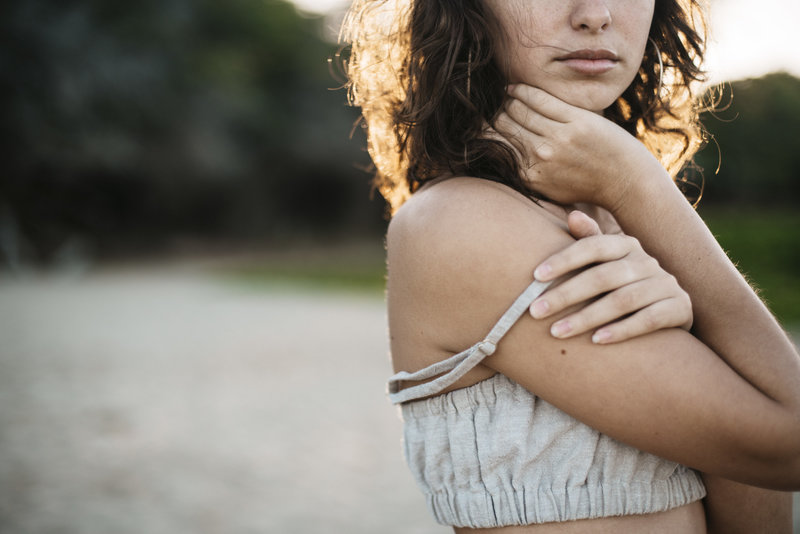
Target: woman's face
(585, 52)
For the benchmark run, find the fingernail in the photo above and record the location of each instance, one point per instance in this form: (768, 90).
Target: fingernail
(601, 336)
(542, 271)
(540, 308)
(560, 329)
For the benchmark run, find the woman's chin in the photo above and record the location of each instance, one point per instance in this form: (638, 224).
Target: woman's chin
(594, 95)
(594, 102)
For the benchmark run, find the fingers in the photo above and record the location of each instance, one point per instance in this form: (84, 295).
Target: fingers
(585, 252)
(523, 139)
(659, 315)
(529, 118)
(632, 298)
(620, 277)
(543, 102)
(492, 132)
(527, 130)
(581, 225)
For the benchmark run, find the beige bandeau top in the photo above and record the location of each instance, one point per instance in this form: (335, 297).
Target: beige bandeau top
(493, 454)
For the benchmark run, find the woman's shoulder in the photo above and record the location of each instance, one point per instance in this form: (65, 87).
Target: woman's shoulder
(466, 216)
(458, 253)
(448, 197)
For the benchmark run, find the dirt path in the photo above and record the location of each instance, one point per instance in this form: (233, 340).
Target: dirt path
(169, 402)
(153, 402)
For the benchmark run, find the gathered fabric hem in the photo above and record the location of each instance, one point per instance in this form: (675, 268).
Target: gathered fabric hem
(528, 506)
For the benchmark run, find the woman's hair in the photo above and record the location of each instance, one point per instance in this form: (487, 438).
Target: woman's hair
(425, 75)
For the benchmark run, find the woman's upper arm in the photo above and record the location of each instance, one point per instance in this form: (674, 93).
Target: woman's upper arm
(665, 393)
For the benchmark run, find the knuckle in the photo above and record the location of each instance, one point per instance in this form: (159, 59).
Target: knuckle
(623, 329)
(514, 106)
(624, 300)
(629, 271)
(580, 129)
(545, 151)
(526, 113)
(603, 278)
(577, 322)
(633, 243)
(536, 96)
(685, 300)
(652, 264)
(564, 298)
(556, 299)
(596, 244)
(650, 321)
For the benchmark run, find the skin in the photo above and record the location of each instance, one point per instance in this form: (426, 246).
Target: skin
(730, 507)
(728, 405)
(648, 298)
(618, 282)
(541, 31)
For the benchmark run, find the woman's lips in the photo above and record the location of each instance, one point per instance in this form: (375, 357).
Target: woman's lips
(590, 62)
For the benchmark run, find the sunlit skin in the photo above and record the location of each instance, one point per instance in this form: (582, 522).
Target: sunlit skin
(441, 243)
(585, 53)
(593, 82)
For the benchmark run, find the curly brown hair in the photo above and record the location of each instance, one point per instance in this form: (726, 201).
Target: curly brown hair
(425, 75)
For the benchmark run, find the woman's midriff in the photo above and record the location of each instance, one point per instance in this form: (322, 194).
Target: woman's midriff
(689, 519)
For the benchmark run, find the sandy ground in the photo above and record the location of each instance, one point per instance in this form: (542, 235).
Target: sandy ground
(165, 401)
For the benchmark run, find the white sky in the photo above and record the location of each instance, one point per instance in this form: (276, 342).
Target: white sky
(749, 37)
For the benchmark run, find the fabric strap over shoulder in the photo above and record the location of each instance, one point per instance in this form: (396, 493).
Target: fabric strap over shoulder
(460, 364)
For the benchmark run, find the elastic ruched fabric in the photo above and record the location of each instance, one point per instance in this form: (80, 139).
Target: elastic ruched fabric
(493, 454)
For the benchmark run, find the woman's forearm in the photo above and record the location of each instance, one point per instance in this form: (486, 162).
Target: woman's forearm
(729, 317)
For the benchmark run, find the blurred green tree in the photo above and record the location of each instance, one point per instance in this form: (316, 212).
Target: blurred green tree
(128, 124)
(755, 143)
(750, 204)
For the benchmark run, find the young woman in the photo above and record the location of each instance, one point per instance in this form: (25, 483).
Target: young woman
(502, 131)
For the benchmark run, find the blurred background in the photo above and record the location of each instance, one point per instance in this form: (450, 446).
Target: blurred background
(192, 333)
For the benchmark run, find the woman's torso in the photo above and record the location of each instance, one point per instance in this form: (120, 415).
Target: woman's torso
(421, 335)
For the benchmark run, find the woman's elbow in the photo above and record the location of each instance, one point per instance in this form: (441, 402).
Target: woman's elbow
(776, 465)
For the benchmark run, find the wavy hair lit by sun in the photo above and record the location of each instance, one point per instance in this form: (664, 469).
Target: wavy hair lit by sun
(411, 62)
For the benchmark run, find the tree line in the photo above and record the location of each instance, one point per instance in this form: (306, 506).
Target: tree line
(129, 127)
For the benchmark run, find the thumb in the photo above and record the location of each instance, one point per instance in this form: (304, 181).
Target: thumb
(581, 225)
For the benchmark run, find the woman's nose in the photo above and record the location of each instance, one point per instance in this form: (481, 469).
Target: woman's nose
(590, 15)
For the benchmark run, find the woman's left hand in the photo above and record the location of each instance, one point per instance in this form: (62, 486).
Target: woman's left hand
(570, 154)
(636, 296)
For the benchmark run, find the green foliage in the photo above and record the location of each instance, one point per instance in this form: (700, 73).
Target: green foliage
(765, 245)
(362, 279)
(360, 269)
(128, 125)
(755, 143)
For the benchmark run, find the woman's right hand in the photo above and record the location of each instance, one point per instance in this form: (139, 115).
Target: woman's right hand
(634, 295)
(570, 154)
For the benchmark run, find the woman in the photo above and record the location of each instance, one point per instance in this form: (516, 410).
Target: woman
(516, 124)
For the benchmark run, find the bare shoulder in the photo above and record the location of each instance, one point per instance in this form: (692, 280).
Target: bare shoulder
(464, 224)
(461, 200)
(459, 253)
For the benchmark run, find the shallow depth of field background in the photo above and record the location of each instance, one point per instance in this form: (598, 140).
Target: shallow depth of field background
(192, 332)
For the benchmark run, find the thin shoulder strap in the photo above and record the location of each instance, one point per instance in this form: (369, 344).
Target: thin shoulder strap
(458, 365)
